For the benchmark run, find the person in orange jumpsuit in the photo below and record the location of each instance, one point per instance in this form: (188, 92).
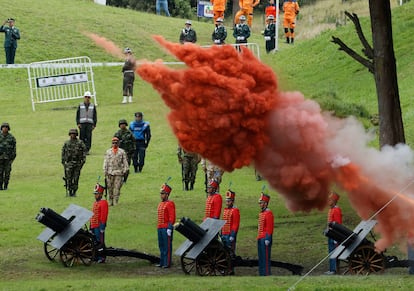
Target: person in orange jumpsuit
(265, 235)
(334, 215)
(98, 220)
(214, 201)
(246, 9)
(165, 226)
(271, 9)
(219, 6)
(290, 10)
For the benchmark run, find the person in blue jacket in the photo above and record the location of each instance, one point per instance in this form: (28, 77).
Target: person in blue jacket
(142, 134)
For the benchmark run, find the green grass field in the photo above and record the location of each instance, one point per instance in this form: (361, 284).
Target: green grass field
(53, 29)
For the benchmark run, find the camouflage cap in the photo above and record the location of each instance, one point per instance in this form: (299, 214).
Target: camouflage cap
(5, 124)
(73, 131)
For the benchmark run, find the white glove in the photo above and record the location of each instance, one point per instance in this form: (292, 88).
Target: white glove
(169, 231)
(240, 38)
(267, 242)
(267, 37)
(216, 41)
(231, 238)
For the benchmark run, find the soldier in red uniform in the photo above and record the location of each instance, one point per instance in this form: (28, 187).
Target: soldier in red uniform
(231, 215)
(98, 220)
(214, 201)
(165, 226)
(334, 215)
(264, 235)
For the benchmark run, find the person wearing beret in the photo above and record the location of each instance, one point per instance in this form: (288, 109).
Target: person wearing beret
(12, 34)
(334, 215)
(265, 235)
(165, 226)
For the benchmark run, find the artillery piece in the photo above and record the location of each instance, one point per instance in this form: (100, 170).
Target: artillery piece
(68, 236)
(205, 254)
(356, 253)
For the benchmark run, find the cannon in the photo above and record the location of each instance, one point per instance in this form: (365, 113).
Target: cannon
(205, 254)
(355, 254)
(67, 236)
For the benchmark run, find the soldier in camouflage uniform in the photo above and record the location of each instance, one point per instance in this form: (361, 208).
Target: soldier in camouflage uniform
(115, 166)
(189, 165)
(7, 155)
(73, 159)
(126, 142)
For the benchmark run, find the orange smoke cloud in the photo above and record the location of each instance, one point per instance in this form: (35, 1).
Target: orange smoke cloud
(106, 44)
(226, 106)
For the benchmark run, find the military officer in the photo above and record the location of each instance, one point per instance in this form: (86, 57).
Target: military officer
(189, 165)
(73, 159)
(12, 34)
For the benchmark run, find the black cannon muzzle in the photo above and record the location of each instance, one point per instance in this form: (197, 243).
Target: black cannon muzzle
(52, 219)
(190, 229)
(340, 233)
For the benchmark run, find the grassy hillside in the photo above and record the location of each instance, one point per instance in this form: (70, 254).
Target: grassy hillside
(52, 29)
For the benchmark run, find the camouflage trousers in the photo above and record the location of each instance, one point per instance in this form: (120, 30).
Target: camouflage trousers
(189, 172)
(114, 184)
(5, 170)
(72, 174)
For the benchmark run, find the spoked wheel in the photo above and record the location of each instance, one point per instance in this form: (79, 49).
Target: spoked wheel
(364, 260)
(213, 261)
(188, 265)
(342, 267)
(80, 249)
(50, 251)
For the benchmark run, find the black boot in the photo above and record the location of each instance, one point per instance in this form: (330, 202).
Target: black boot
(287, 40)
(291, 40)
(6, 184)
(191, 185)
(186, 186)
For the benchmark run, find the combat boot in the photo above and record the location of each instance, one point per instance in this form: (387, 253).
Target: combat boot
(292, 40)
(111, 201)
(192, 186)
(287, 39)
(186, 186)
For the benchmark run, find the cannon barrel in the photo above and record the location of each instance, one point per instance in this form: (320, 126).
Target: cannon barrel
(190, 230)
(52, 219)
(340, 233)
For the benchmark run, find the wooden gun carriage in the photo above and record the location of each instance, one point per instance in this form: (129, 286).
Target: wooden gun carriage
(68, 237)
(205, 254)
(356, 254)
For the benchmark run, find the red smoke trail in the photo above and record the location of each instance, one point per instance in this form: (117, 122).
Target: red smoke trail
(108, 45)
(226, 106)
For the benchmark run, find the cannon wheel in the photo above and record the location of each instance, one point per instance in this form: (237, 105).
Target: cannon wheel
(187, 265)
(80, 249)
(214, 260)
(364, 260)
(50, 251)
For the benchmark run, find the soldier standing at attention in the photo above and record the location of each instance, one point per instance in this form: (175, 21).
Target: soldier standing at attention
(264, 235)
(98, 220)
(129, 76)
(220, 33)
(214, 201)
(126, 142)
(7, 155)
(12, 34)
(86, 119)
(73, 159)
(189, 165)
(241, 30)
(165, 226)
(115, 166)
(142, 134)
(231, 215)
(188, 34)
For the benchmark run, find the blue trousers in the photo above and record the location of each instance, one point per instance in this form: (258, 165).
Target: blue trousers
(162, 4)
(264, 252)
(230, 244)
(165, 246)
(332, 262)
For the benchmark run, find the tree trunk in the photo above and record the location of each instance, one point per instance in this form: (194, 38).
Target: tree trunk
(391, 128)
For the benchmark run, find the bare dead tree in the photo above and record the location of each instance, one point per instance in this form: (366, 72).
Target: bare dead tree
(380, 61)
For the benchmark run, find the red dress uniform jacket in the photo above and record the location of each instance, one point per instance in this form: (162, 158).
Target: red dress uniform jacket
(266, 222)
(213, 206)
(232, 218)
(335, 215)
(166, 214)
(100, 213)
